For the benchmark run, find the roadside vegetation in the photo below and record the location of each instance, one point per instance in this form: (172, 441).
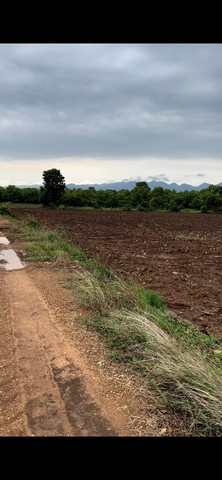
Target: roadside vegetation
(5, 208)
(181, 364)
(140, 198)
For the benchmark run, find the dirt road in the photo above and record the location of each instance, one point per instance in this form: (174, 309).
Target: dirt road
(55, 378)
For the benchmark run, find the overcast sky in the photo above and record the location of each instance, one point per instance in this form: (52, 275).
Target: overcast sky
(107, 112)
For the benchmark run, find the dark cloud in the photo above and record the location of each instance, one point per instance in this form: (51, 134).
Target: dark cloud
(110, 100)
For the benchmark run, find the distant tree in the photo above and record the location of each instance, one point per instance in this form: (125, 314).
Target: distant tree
(204, 209)
(30, 195)
(53, 187)
(2, 194)
(173, 206)
(139, 194)
(159, 197)
(124, 199)
(13, 194)
(143, 185)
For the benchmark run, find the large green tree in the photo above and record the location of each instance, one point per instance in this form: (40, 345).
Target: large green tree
(53, 187)
(140, 195)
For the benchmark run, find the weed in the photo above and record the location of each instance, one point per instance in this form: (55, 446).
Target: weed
(32, 223)
(185, 236)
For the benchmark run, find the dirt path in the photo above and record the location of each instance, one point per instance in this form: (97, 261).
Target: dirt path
(55, 379)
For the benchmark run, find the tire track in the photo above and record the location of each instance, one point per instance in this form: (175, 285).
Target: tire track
(54, 395)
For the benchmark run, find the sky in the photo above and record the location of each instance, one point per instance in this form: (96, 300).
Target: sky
(110, 112)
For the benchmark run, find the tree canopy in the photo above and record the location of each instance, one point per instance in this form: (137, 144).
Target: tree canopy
(54, 192)
(53, 187)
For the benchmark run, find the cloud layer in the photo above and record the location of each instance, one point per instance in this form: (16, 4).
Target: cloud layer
(111, 102)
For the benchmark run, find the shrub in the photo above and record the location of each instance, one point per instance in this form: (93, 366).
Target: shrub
(32, 223)
(173, 207)
(203, 209)
(5, 208)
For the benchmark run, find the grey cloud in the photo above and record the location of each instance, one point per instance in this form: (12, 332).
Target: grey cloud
(159, 178)
(196, 175)
(110, 100)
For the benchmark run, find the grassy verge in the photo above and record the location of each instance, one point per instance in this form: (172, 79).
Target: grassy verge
(27, 205)
(183, 365)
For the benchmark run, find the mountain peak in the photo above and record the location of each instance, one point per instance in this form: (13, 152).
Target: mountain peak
(130, 184)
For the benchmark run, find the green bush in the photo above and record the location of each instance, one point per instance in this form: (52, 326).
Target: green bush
(173, 207)
(32, 223)
(5, 208)
(203, 209)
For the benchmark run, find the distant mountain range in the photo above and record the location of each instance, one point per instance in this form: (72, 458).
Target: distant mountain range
(132, 183)
(129, 185)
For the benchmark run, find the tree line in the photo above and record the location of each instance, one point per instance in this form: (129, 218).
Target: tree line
(55, 193)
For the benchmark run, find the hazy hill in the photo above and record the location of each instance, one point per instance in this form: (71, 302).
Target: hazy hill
(129, 185)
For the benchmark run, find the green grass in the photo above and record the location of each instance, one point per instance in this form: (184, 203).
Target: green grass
(5, 211)
(43, 244)
(102, 294)
(186, 236)
(26, 205)
(183, 365)
(182, 378)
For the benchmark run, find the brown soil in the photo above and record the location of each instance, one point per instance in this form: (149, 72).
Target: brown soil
(178, 255)
(55, 378)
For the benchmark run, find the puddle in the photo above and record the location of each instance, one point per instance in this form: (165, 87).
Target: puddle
(9, 260)
(4, 241)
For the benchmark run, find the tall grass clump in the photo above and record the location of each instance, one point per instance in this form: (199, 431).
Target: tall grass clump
(175, 358)
(100, 290)
(182, 379)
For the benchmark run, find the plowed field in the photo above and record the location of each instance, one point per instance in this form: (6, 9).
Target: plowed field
(178, 255)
